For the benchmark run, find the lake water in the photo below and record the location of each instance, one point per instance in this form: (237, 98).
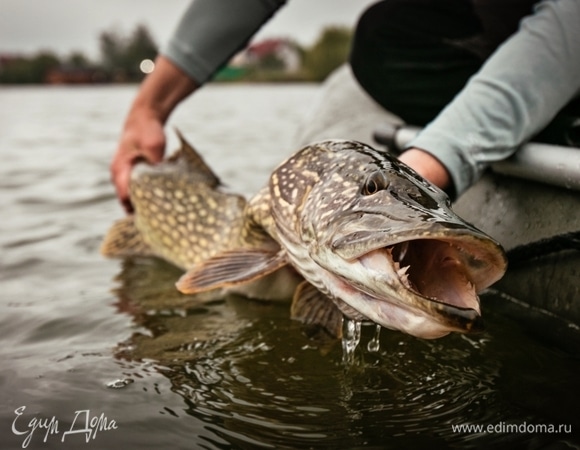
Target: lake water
(106, 354)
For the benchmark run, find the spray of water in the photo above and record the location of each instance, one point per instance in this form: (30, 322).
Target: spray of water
(374, 344)
(350, 339)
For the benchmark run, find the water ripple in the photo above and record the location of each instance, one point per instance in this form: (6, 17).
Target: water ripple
(211, 372)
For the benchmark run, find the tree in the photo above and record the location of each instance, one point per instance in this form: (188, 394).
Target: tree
(78, 60)
(112, 48)
(328, 53)
(42, 63)
(29, 70)
(122, 55)
(140, 46)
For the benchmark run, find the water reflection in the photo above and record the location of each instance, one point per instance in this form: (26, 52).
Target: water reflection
(256, 380)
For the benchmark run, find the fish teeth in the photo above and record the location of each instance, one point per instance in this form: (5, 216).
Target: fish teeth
(403, 271)
(403, 275)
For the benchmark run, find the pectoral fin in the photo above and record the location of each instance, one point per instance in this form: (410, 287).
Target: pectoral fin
(313, 308)
(124, 239)
(231, 268)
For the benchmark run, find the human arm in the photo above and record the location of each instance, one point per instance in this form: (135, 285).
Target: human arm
(514, 95)
(143, 137)
(212, 31)
(209, 33)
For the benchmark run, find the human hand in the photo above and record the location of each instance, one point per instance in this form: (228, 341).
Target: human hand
(142, 139)
(427, 166)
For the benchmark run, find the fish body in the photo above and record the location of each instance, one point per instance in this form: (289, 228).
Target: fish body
(371, 239)
(184, 215)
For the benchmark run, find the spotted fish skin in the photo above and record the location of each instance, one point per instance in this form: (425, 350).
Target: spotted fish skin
(372, 239)
(368, 237)
(181, 213)
(185, 220)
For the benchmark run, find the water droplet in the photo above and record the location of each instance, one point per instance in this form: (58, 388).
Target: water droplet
(350, 339)
(120, 384)
(374, 344)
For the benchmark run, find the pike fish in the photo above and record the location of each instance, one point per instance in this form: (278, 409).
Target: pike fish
(341, 228)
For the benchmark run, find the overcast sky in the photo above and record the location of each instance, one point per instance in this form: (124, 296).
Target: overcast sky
(63, 26)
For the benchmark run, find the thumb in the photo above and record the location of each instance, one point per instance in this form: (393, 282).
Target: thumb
(152, 146)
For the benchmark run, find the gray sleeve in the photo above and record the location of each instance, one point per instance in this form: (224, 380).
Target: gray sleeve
(515, 94)
(212, 31)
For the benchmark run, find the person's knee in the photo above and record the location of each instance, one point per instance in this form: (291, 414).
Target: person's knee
(400, 47)
(410, 22)
(377, 21)
(380, 31)
(369, 36)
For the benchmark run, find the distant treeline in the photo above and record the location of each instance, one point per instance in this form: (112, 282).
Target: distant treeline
(331, 50)
(121, 56)
(119, 61)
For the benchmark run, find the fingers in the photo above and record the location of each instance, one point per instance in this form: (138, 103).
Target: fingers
(139, 142)
(120, 175)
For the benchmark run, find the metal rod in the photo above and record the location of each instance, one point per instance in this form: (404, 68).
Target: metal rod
(552, 164)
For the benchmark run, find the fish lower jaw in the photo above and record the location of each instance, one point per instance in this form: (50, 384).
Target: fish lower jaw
(400, 320)
(377, 289)
(359, 305)
(417, 323)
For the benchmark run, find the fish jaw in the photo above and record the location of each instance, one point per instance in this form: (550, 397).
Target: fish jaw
(424, 287)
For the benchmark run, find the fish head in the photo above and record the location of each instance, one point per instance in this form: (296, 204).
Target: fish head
(385, 243)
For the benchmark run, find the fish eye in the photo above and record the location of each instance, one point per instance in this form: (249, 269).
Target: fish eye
(375, 182)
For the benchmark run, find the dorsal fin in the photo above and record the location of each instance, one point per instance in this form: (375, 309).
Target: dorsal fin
(194, 160)
(124, 239)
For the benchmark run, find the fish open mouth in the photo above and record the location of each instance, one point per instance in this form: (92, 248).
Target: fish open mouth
(422, 279)
(437, 270)
(440, 277)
